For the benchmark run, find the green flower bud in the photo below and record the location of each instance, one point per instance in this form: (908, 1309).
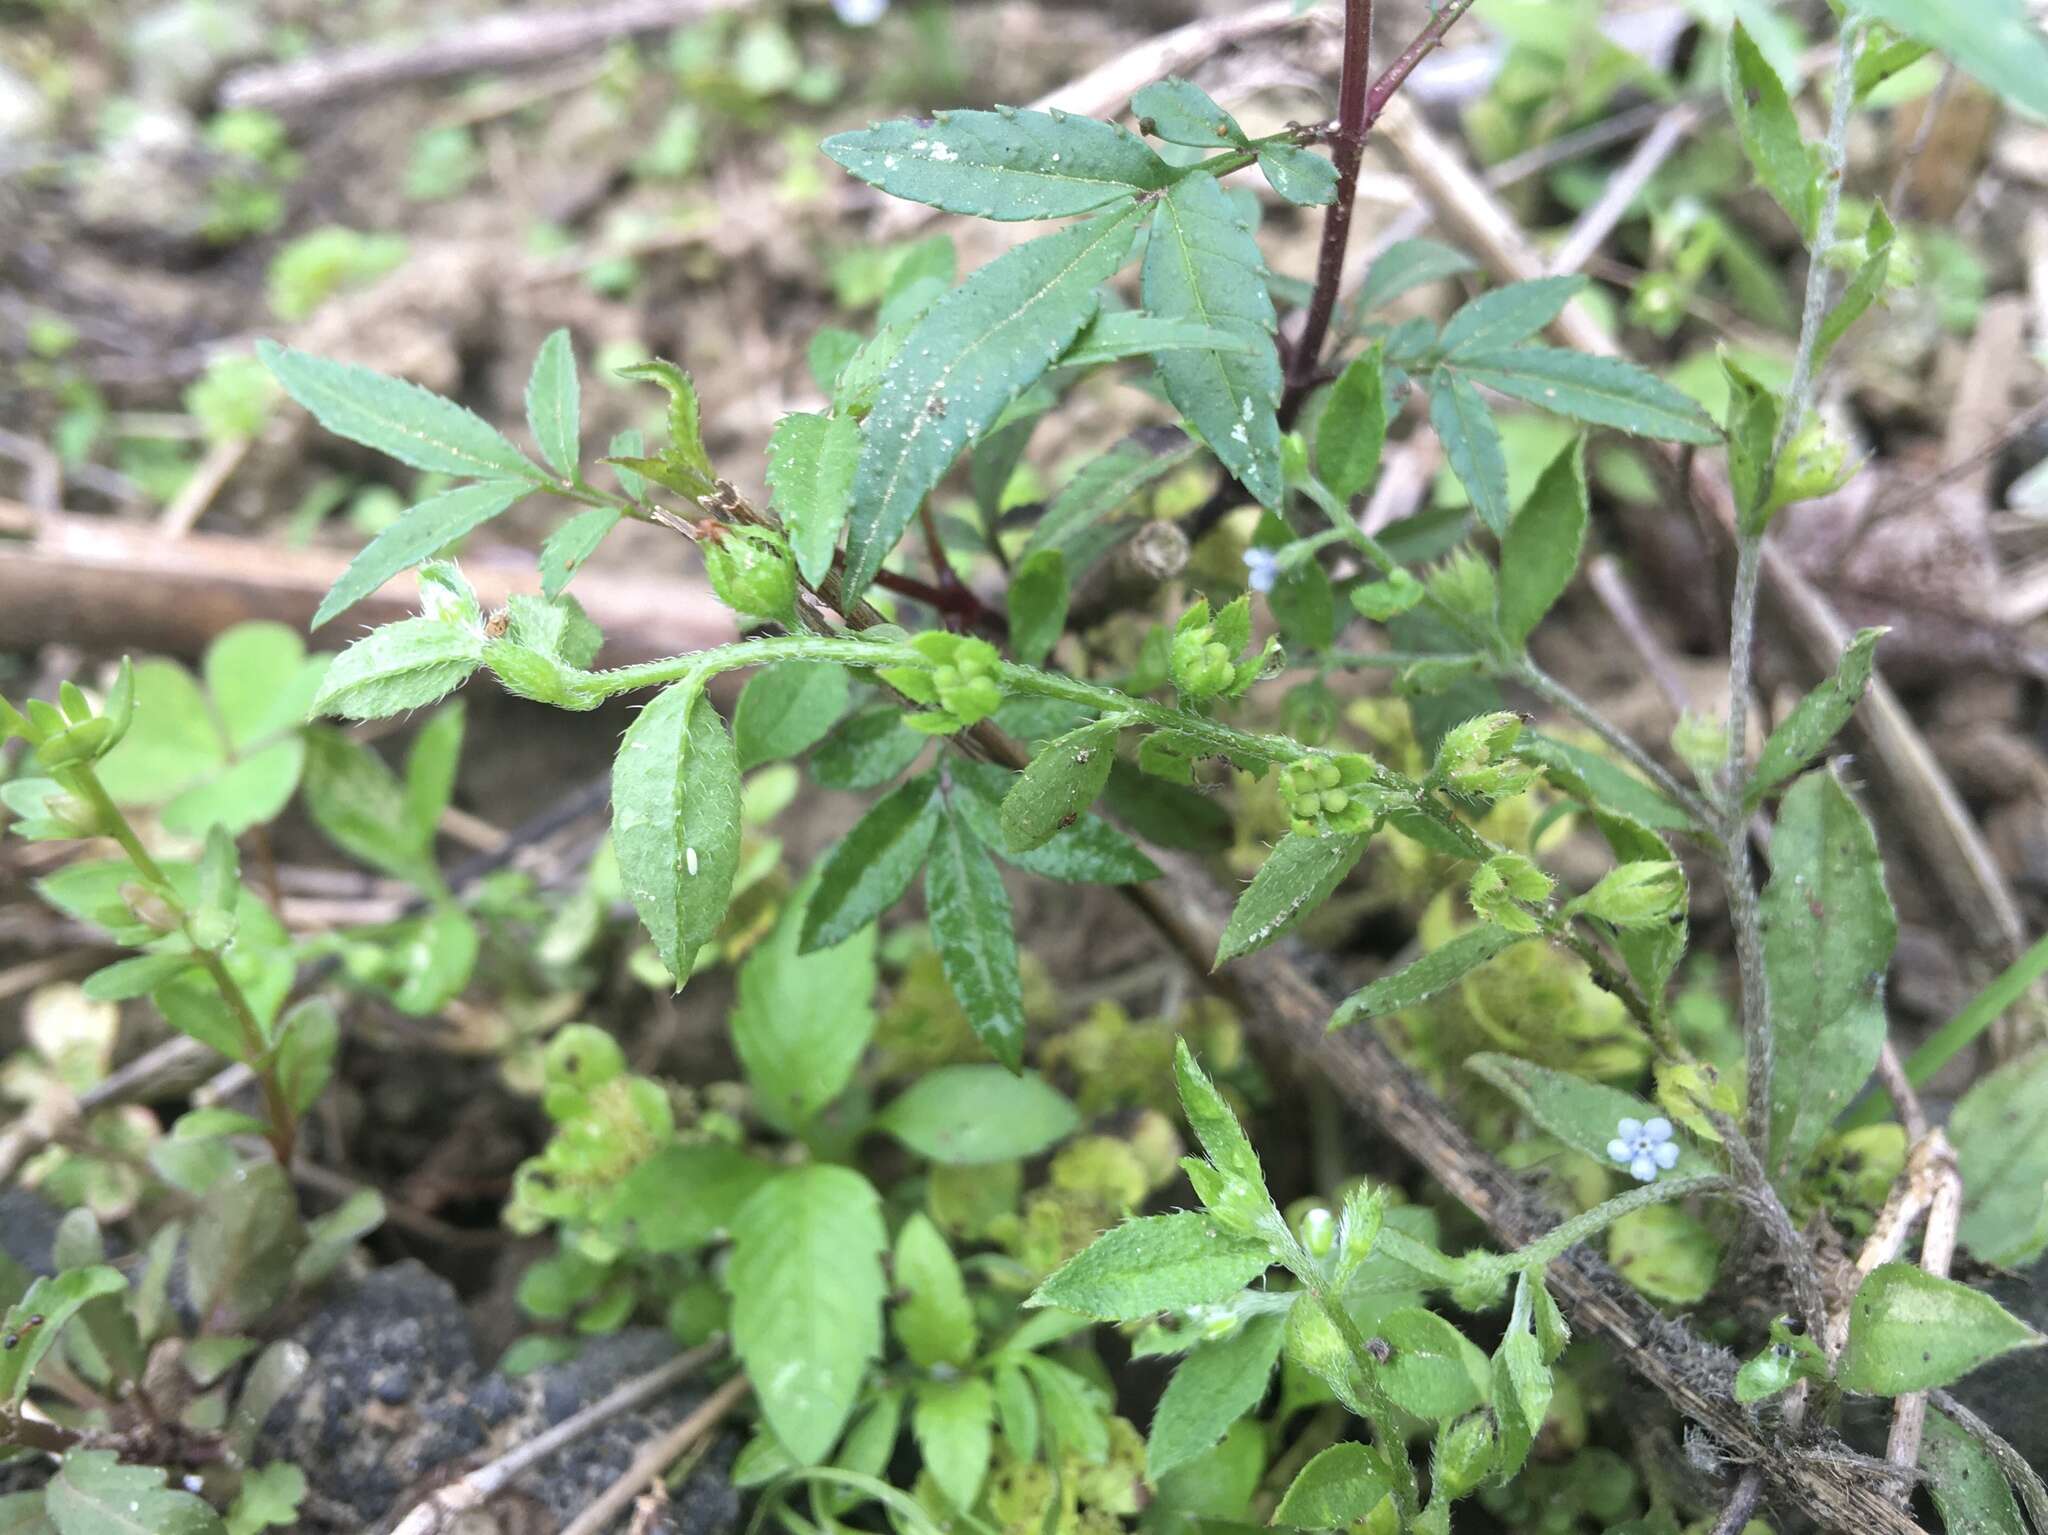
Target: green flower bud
(1319, 1232)
(1464, 1454)
(1500, 886)
(583, 1055)
(1641, 894)
(751, 571)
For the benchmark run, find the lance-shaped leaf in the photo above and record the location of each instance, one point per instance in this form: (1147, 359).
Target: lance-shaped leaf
(1133, 333)
(1604, 391)
(1507, 315)
(1295, 879)
(811, 461)
(976, 937)
(974, 352)
(1203, 264)
(873, 864)
(1472, 443)
(1541, 550)
(1995, 40)
(1062, 781)
(1101, 487)
(1151, 1264)
(682, 465)
(1352, 432)
(1214, 1386)
(401, 666)
(1408, 265)
(1911, 1331)
(1828, 935)
(1804, 733)
(572, 543)
(1582, 1114)
(397, 418)
(1863, 288)
(1770, 132)
(676, 821)
(554, 409)
(1443, 966)
(1006, 164)
(419, 535)
(1090, 852)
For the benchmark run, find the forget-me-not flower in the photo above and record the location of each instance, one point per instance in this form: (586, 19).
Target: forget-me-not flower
(1644, 1147)
(1264, 568)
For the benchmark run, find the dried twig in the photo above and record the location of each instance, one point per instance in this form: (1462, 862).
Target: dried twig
(202, 485)
(656, 1457)
(1625, 185)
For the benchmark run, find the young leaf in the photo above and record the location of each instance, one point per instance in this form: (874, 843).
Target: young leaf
(1213, 1387)
(1541, 550)
(1828, 936)
(1006, 164)
(554, 408)
(1038, 605)
(786, 708)
(933, 1318)
(1353, 430)
(92, 1493)
(811, 460)
(953, 1422)
(1770, 132)
(1582, 1114)
(401, 666)
(1202, 264)
(963, 1116)
(1472, 443)
(676, 822)
(976, 938)
(974, 352)
(2000, 1130)
(1522, 1384)
(803, 1020)
(1408, 265)
(1603, 391)
(419, 535)
(1090, 852)
(1181, 112)
(807, 1287)
(1305, 179)
(1340, 1486)
(873, 864)
(1441, 968)
(1752, 425)
(1103, 486)
(1994, 40)
(1295, 879)
(1062, 781)
(1911, 1331)
(571, 544)
(1215, 1125)
(683, 466)
(1864, 288)
(1153, 1263)
(1804, 733)
(1507, 315)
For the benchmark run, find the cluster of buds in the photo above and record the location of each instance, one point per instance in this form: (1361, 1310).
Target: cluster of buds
(1206, 659)
(1332, 794)
(607, 1122)
(960, 685)
(1503, 886)
(69, 731)
(1476, 759)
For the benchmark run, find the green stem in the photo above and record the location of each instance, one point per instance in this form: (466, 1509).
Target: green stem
(1560, 1239)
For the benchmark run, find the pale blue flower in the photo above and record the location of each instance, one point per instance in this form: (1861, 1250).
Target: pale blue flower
(1644, 1147)
(860, 13)
(1263, 567)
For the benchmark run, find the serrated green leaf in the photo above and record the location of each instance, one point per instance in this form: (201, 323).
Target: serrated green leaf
(1472, 443)
(419, 535)
(1114, 335)
(1154, 1263)
(1062, 781)
(974, 352)
(682, 465)
(932, 1317)
(1211, 1389)
(1181, 112)
(1339, 1487)
(1303, 178)
(1038, 605)
(1202, 264)
(1100, 487)
(397, 418)
(1863, 288)
(1406, 265)
(803, 1019)
(807, 1287)
(1540, 553)
(1006, 164)
(1353, 430)
(1769, 131)
(401, 666)
(1994, 40)
(1296, 878)
(676, 822)
(571, 544)
(1215, 1124)
(872, 865)
(1090, 852)
(1582, 1114)
(975, 934)
(866, 749)
(92, 1493)
(1828, 936)
(1604, 391)
(964, 1116)
(811, 460)
(1804, 733)
(1911, 1331)
(1442, 967)
(269, 1495)
(1506, 316)
(786, 708)
(953, 1422)
(554, 407)
(2000, 1130)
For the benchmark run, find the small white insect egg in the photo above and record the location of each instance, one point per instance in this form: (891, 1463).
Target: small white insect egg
(690, 860)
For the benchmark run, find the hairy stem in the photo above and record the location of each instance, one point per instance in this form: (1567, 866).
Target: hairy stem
(1548, 688)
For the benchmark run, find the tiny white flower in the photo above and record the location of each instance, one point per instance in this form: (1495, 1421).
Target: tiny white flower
(1645, 1148)
(860, 13)
(1263, 567)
